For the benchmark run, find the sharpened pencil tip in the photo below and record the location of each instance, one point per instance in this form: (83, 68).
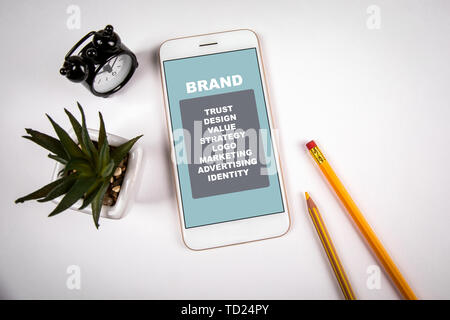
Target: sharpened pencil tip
(306, 195)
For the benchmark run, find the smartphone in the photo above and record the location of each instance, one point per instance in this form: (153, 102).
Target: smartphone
(228, 177)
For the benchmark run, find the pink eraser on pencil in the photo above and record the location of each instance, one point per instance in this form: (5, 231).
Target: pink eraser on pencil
(311, 145)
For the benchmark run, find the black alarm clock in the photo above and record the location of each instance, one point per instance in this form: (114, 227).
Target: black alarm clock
(103, 66)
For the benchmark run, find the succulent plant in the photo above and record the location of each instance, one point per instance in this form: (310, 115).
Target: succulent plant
(87, 168)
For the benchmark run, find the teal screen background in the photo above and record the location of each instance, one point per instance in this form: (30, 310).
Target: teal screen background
(235, 205)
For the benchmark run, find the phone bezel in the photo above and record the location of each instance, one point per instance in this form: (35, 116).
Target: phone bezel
(237, 231)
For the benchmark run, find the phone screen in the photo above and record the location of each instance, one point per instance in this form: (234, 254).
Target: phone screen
(223, 145)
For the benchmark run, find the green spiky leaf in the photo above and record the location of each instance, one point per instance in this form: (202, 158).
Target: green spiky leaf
(75, 193)
(121, 151)
(90, 148)
(82, 166)
(104, 157)
(51, 144)
(91, 193)
(40, 193)
(59, 159)
(60, 189)
(75, 125)
(107, 170)
(68, 144)
(96, 204)
(77, 128)
(101, 132)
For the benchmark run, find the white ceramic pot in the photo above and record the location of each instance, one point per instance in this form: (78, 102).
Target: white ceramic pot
(128, 187)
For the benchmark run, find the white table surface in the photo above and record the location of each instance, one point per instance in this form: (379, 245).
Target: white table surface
(375, 100)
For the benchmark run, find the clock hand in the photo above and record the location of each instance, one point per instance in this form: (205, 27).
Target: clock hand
(114, 62)
(106, 67)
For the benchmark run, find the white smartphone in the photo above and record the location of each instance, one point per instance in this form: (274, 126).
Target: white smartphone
(228, 177)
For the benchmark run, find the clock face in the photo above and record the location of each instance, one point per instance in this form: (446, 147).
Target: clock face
(112, 73)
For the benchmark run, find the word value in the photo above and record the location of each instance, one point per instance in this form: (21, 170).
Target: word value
(233, 309)
(205, 85)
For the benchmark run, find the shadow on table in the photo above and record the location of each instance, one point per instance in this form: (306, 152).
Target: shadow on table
(156, 179)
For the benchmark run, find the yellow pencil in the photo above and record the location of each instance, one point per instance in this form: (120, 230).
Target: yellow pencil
(361, 223)
(329, 249)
